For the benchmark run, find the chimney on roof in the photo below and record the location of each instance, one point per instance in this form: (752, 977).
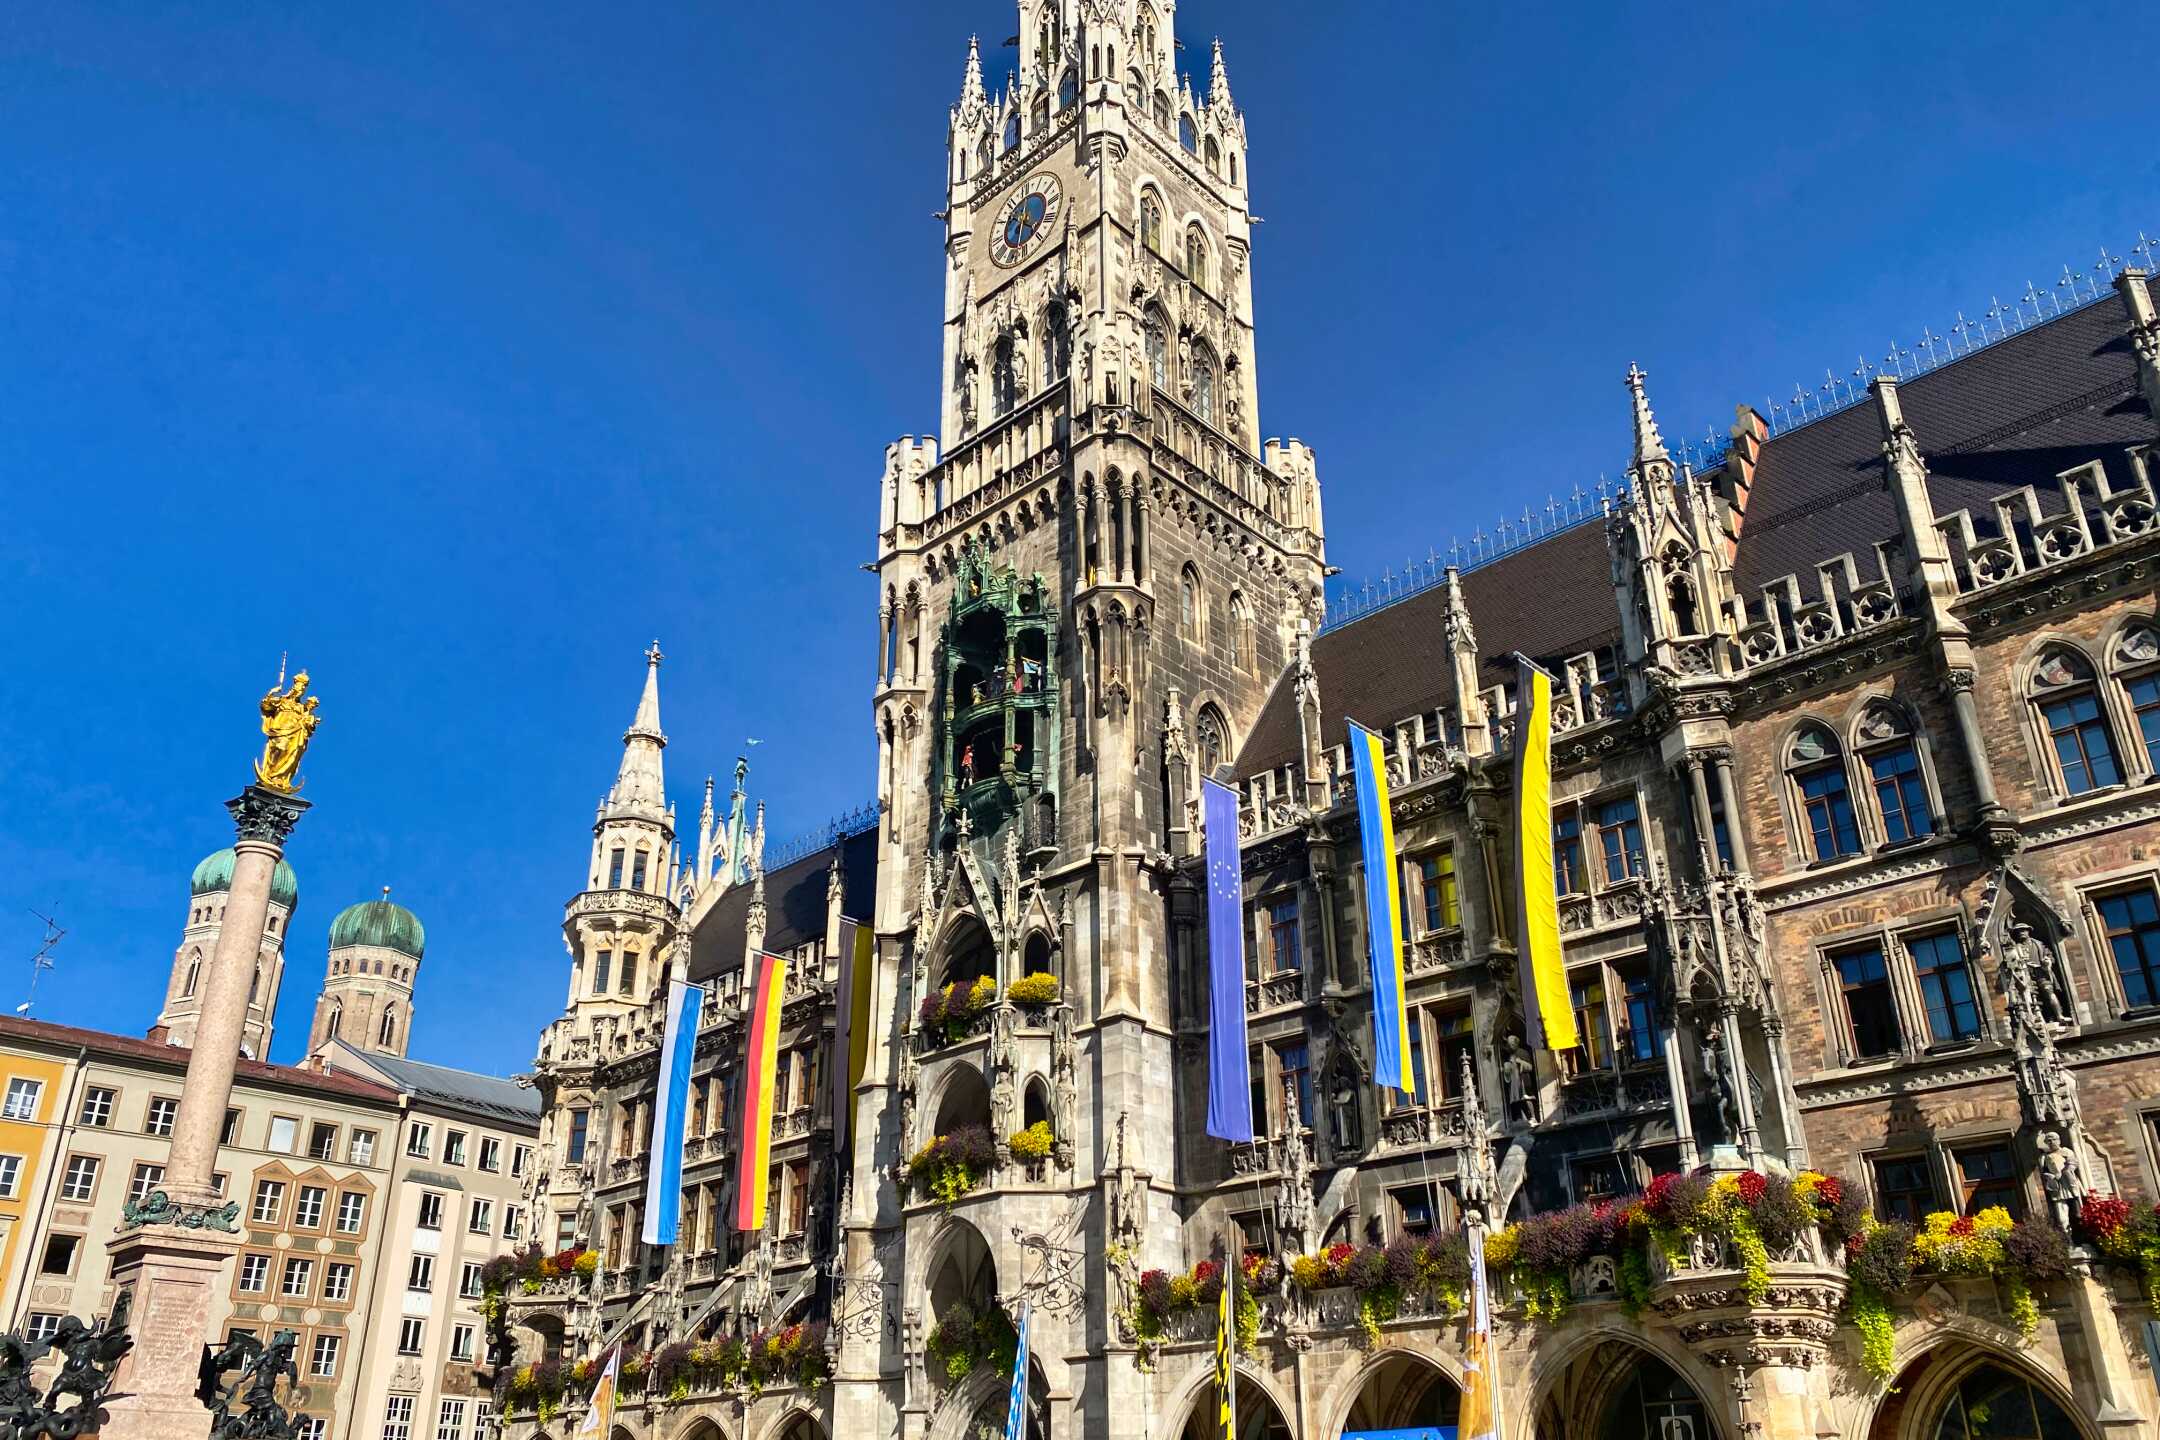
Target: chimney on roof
(2136, 292)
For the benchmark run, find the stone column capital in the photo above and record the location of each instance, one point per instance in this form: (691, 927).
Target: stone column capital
(266, 817)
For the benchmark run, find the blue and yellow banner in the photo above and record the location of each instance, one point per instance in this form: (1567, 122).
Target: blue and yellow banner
(1383, 912)
(1547, 1018)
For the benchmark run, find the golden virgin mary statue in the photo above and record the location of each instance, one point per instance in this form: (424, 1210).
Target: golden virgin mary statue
(289, 719)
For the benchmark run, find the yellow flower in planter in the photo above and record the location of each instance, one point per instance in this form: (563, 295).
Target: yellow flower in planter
(1040, 988)
(1500, 1247)
(1033, 1143)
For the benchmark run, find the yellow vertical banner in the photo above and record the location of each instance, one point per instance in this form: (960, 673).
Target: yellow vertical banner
(1549, 1019)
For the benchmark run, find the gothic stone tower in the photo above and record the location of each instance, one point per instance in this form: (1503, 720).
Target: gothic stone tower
(1084, 602)
(207, 890)
(620, 931)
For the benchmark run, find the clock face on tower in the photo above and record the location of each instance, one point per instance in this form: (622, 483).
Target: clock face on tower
(1025, 220)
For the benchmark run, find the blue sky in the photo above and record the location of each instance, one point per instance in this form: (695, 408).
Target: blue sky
(460, 349)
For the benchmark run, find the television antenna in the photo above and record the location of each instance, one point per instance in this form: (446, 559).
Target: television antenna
(43, 960)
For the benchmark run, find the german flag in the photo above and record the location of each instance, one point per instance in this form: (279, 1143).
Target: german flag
(761, 1056)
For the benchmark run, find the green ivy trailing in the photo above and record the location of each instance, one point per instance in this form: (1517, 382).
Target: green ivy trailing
(970, 1336)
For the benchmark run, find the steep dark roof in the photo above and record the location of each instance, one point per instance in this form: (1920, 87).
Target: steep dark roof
(485, 1095)
(2018, 413)
(1551, 599)
(2048, 399)
(794, 905)
(175, 1058)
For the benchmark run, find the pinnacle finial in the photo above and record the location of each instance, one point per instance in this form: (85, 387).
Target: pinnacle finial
(653, 656)
(1218, 78)
(1649, 444)
(971, 80)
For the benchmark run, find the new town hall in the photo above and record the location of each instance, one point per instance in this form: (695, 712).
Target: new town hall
(1856, 828)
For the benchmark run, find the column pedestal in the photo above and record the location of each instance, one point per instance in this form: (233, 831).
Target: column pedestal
(167, 1279)
(170, 1256)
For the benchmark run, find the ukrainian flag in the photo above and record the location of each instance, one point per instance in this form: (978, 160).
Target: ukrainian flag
(1383, 912)
(1537, 894)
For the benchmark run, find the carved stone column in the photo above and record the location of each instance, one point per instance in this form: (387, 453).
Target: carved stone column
(168, 1260)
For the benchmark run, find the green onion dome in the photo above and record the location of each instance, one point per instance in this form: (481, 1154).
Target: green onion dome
(214, 876)
(379, 923)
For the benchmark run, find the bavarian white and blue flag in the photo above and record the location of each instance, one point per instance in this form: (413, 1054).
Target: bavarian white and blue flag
(1016, 1406)
(671, 1113)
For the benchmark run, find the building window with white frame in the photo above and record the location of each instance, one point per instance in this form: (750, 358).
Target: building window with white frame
(453, 1147)
(398, 1410)
(299, 1278)
(431, 1208)
(420, 1276)
(412, 1336)
(159, 1115)
(147, 1177)
(461, 1344)
(480, 1219)
(22, 1098)
(337, 1282)
(254, 1273)
(97, 1108)
(308, 1207)
(469, 1283)
(323, 1357)
(269, 1202)
(80, 1182)
(490, 1154)
(361, 1150)
(351, 1209)
(419, 1141)
(41, 1325)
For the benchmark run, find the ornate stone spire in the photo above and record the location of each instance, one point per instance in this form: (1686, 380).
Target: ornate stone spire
(1218, 92)
(972, 98)
(640, 786)
(1649, 444)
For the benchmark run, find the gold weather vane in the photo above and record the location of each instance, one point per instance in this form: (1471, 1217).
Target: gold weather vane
(289, 718)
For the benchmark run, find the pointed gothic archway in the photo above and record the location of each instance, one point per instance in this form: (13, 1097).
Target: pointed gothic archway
(1964, 1391)
(1259, 1415)
(1611, 1386)
(1398, 1390)
(799, 1425)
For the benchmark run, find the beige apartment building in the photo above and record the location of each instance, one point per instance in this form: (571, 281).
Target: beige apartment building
(306, 1160)
(460, 1167)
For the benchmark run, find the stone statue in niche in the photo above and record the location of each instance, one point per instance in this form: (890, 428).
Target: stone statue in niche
(2029, 978)
(2062, 1175)
(1518, 1080)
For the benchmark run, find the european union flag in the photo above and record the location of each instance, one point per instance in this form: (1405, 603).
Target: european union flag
(1229, 1101)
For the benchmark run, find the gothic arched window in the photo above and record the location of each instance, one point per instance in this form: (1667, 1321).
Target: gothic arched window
(1196, 257)
(1158, 349)
(1188, 137)
(1243, 637)
(2066, 698)
(1004, 379)
(1056, 344)
(1069, 90)
(1214, 158)
(1150, 221)
(1233, 167)
(1203, 384)
(2136, 664)
(1212, 738)
(337, 1020)
(1191, 621)
(1892, 760)
(1163, 113)
(638, 867)
(387, 1035)
(1817, 770)
(1012, 128)
(1680, 604)
(615, 864)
